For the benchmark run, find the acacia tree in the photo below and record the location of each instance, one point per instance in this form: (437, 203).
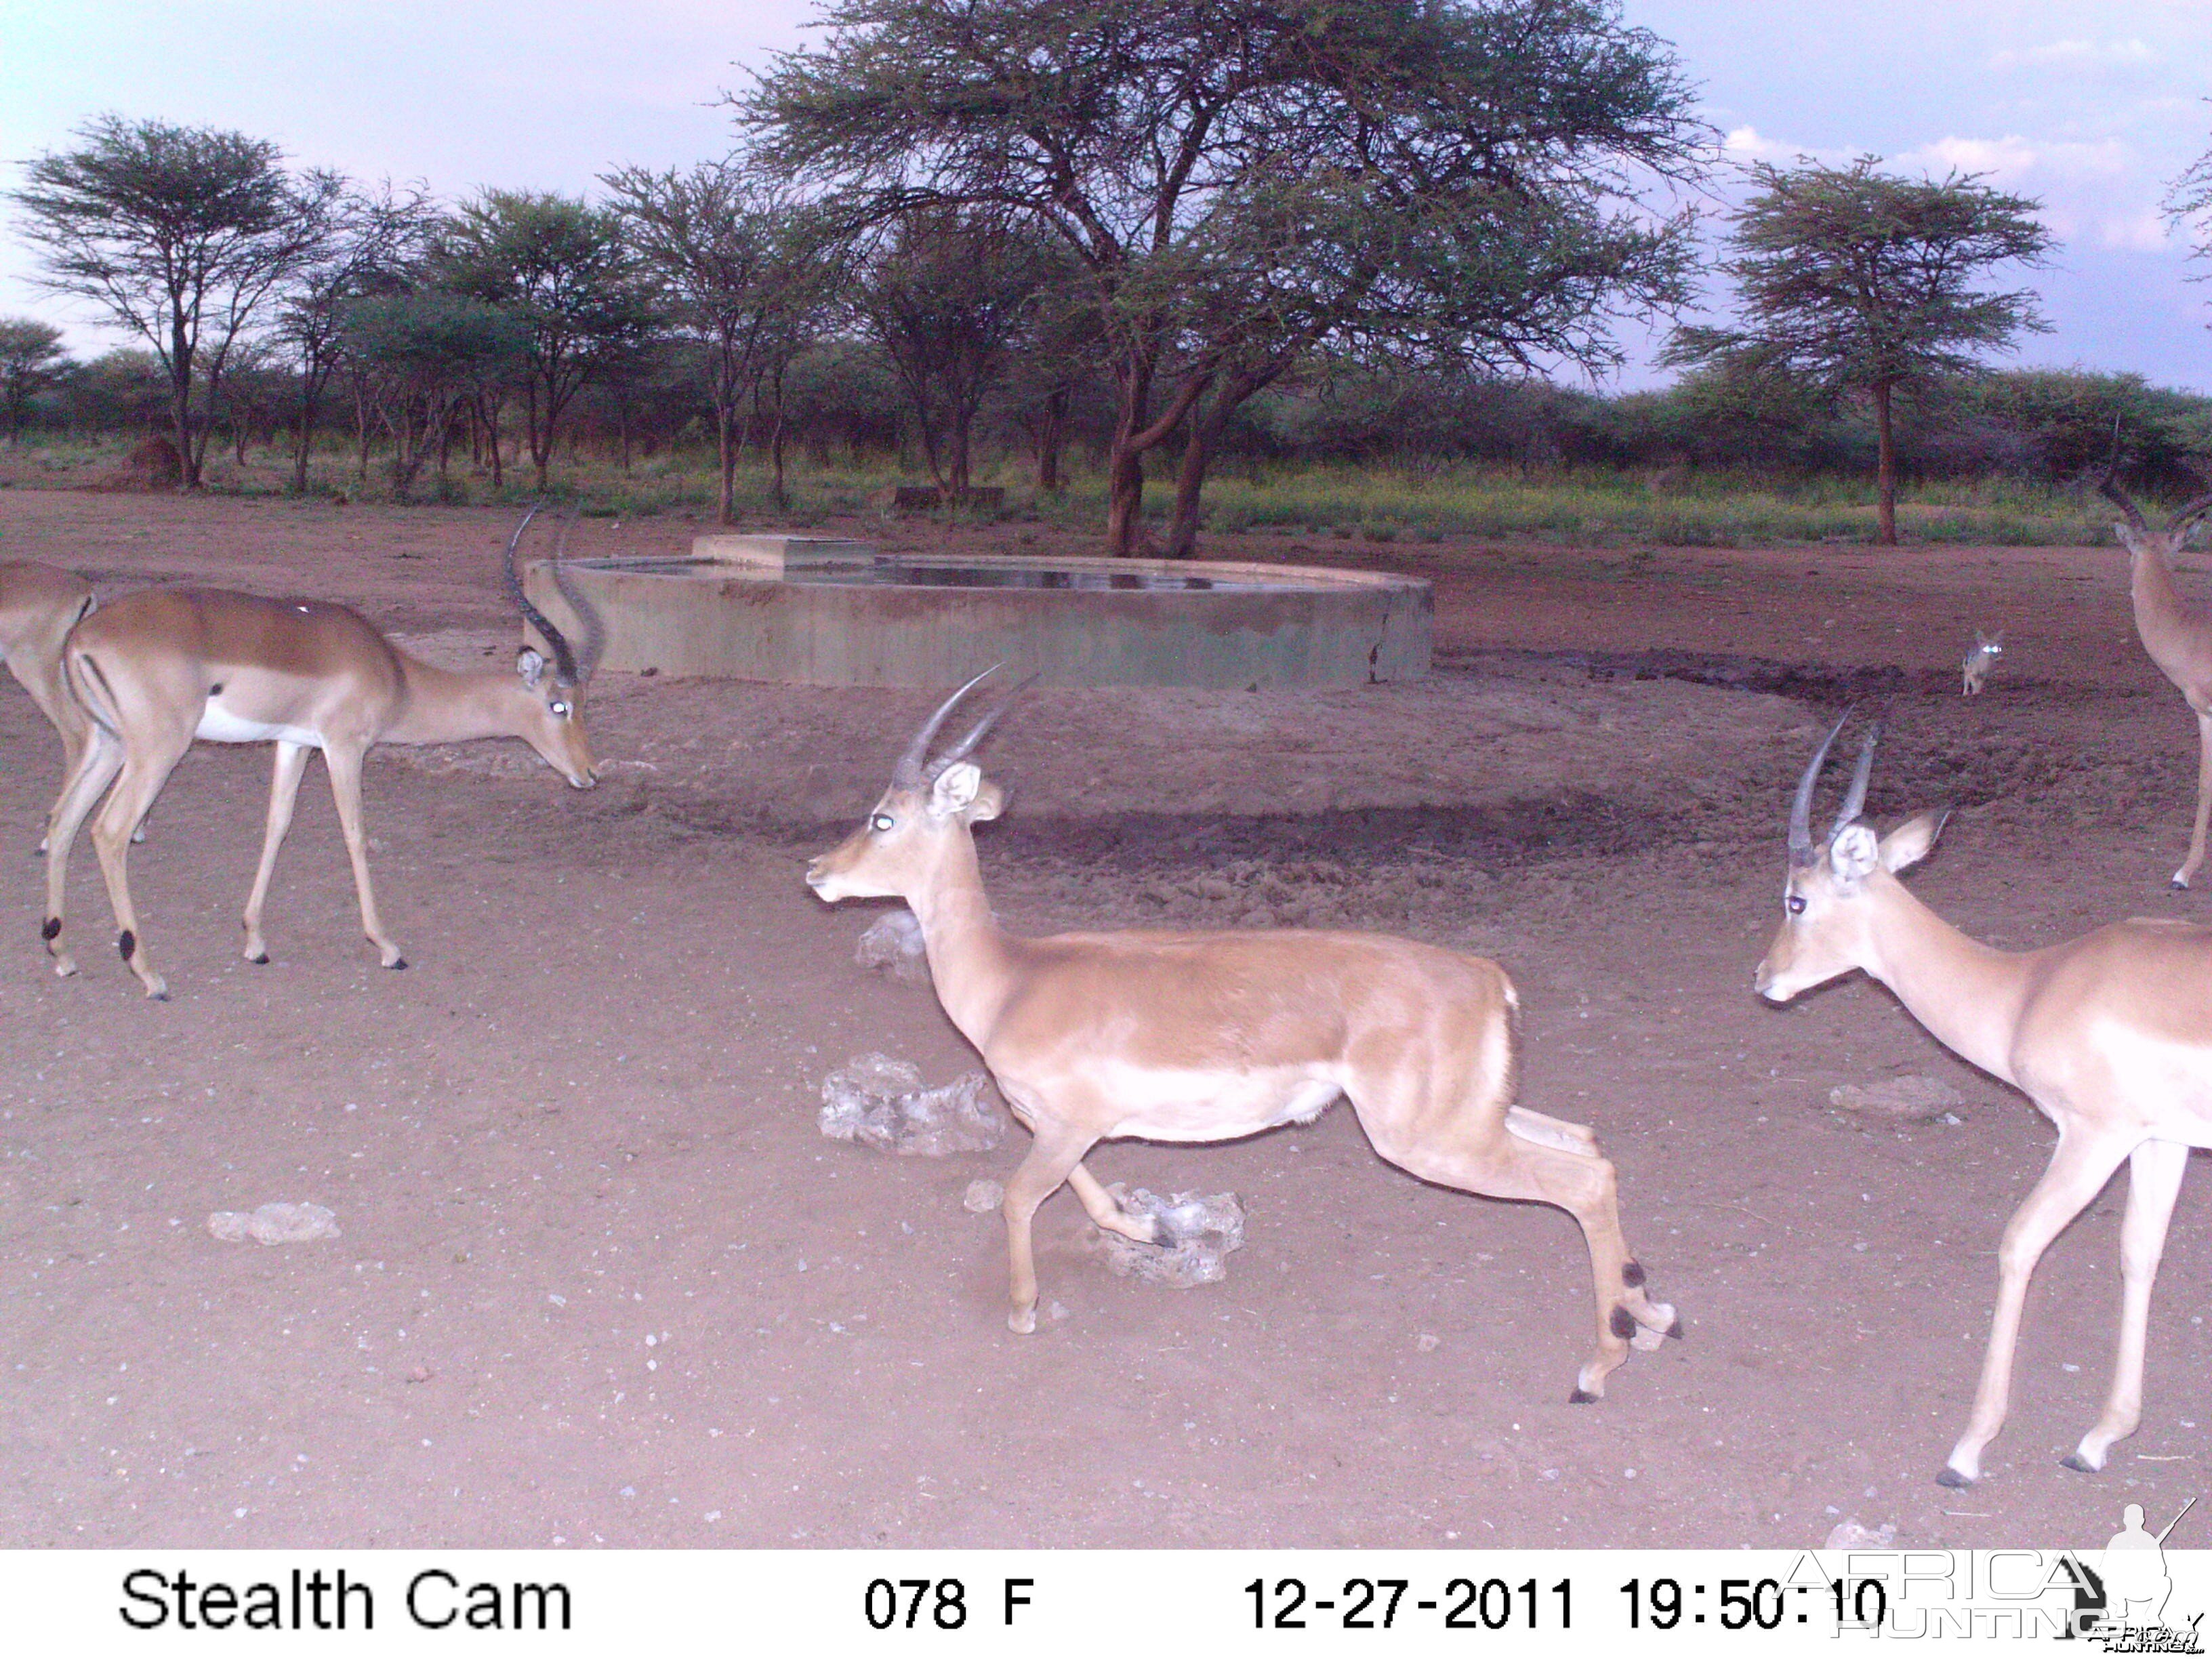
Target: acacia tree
(1863, 283)
(721, 246)
(947, 293)
(374, 237)
(559, 268)
(181, 235)
(31, 360)
(1489, 142)
(421, 358)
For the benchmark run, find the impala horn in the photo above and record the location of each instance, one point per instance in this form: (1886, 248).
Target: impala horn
(595, 627)
(1855, 798)
(1800, 807)
(2112, 493)
(915, 769)
(564, 659)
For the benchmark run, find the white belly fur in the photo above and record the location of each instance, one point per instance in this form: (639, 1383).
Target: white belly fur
(218, 725)
(1197, 1105)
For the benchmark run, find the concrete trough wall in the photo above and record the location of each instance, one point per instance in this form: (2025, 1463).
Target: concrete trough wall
(748, 612)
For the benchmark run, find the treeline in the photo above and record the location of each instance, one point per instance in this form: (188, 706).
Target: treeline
(843, 407)
(1154, 235)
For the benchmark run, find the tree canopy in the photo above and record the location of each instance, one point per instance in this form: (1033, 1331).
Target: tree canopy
(1860, 282)
(1247, 181)
(181, 235)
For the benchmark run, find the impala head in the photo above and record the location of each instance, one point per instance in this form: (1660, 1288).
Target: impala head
(926, 809)
(1990, 645)
(2134, 532)
(555, 725)
(1827, 916)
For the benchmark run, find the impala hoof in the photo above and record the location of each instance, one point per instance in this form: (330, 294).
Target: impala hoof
(1675, 1330)
(258, 958)
(1950, 1477)
(1581, 1396)
(398, 964)
(2079, 1464)
(1021, 1321)
(2178, 885)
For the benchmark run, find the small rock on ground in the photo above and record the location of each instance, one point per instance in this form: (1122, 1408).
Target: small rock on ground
(274, 1224)
(1898, 1099)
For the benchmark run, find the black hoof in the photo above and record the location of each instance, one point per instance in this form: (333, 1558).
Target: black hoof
(1675, 1330)
(1582, 1397)
(1621, 1323)
(1951, 1478)
(2079, 1464)
(261, 961)
(159, 996)
(2178, 886)
(400, 966)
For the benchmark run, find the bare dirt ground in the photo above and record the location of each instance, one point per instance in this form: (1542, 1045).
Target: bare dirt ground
(601, 1280)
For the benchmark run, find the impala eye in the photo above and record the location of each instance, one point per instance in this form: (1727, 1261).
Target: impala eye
(881, 822)
(1794, 904)
(562, 709)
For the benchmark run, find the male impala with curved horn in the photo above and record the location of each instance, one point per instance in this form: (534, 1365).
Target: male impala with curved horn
(2110, 1035)
(2178, 639)
(155, 670)
(39, 606)
(1211, 1037)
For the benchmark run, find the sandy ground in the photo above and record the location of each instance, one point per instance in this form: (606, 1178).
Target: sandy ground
(601, 1279)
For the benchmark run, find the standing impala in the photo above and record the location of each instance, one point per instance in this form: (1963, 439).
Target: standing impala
(39, 606)
(2178, 639)
(155, 670)
(2110, 1035)
(1211, 1036)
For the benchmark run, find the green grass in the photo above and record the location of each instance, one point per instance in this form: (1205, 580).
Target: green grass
(1585, 506)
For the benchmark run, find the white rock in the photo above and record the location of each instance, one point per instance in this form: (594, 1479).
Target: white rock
(274, 1224)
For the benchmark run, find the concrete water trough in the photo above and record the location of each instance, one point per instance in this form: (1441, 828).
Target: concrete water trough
(812, 610)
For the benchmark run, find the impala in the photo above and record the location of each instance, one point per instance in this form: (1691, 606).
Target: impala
(2110, 1035)
(39, 606)
(155, 670)
(1211, 1037)
(2178, 639)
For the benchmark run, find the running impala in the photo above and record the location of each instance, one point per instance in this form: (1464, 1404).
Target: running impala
(2110, 1035)
(155, 670)
(1211, 1036)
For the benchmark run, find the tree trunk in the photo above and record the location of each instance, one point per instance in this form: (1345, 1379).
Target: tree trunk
(726, 455)
(180, 403)
(1190, 481)
(360, 433)
(1885, 469)
(775, 450)
(1051, 426)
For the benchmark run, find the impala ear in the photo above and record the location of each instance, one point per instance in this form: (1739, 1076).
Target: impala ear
(1853, 853)
(1912, 840)
(957, 789)
(990, 800)
(530, 666)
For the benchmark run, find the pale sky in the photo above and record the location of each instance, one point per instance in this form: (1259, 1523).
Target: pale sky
(2091, 107)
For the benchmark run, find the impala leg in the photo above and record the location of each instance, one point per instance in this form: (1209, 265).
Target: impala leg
(344, 766)
(284, 791)
(1056, 1153)
(2203, 801)
(1585, 1186)
(143, 773)
(1102, 1208)
(2079, 1170)
(2154, 1174)
(96, 766)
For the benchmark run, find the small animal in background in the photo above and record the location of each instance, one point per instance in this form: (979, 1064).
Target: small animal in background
(1988, 647)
